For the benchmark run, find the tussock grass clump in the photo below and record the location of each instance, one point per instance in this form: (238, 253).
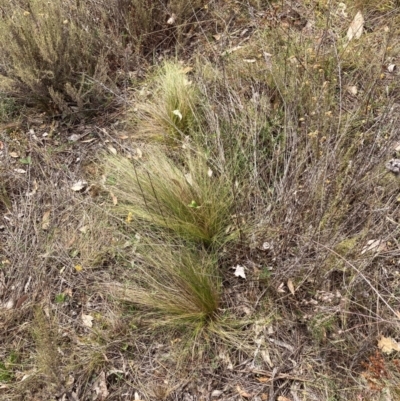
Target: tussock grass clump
(170, 112)
(192, 201)
(180, 285)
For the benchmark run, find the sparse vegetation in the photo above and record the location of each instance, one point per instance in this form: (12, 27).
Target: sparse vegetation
(240, 238)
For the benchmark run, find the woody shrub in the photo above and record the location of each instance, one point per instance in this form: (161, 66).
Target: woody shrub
(72, 58)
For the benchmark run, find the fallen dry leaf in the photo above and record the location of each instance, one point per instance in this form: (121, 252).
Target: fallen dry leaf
(242, 392)
(79, 185)
(188, 177)
(393, 166)
(226, 359)
(375, 245)
(46, 220)
(280, 288)
(352, 90)
(231, 50)
(171, 19)
(266, 357)
(74, 138)
(388, 345)
(356, 27)
(87, 320)
(239, 271)
(112, 150)
(216, 393)
(114, 199)
(35, 187)
(282, 398)
(291, 286)
(187, 69)
(100, 387)
(84, 229)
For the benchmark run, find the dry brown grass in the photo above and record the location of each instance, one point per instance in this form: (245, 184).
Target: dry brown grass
(307, 154)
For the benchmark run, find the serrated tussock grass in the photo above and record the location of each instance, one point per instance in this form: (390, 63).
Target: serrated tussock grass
(170, 112)
(189, 200)
(177, 284)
